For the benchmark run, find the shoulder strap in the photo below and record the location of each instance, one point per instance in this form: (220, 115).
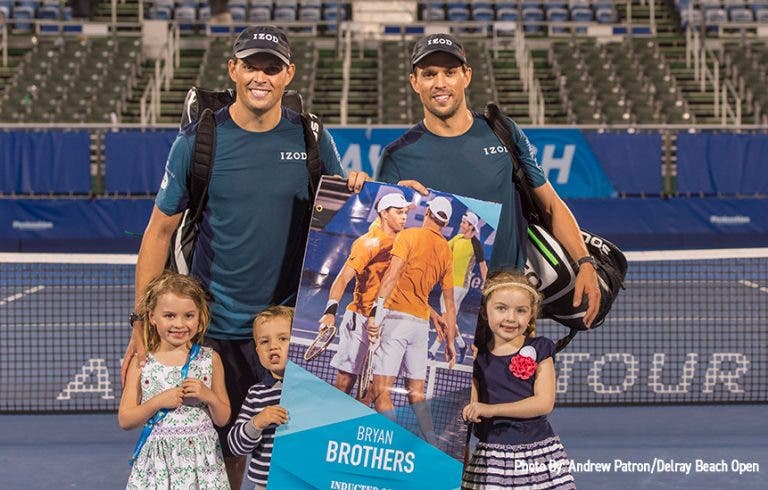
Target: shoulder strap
(201, 165)
(160, 415)
(497, 120)
(313, 130)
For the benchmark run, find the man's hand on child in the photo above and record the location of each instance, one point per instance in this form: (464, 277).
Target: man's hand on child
(272, 415)
(476, 411)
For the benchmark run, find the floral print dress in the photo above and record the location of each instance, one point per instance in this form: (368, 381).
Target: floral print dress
(183, 450)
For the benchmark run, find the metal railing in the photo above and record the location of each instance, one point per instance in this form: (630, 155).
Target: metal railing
(151, 99)
(726, 99)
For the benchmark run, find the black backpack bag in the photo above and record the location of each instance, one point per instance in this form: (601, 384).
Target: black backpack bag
(548, 264)
(199, 106)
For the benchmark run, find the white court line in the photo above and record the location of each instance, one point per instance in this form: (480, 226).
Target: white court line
(753, 285)
(20, 295)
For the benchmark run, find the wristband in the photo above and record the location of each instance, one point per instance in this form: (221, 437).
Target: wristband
(331, 307)
(587, 259)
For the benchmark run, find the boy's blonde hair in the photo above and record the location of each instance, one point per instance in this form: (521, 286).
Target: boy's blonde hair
(180, 285)
(271, 313)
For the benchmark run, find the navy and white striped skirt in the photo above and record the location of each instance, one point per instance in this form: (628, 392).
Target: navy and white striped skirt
(541, 465)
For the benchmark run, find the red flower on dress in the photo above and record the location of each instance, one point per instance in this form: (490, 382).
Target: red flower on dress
(522, 367)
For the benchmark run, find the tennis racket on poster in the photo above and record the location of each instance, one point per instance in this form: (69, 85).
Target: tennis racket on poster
(324, 338)
(366, 374)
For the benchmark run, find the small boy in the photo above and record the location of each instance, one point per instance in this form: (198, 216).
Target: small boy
(254, 430)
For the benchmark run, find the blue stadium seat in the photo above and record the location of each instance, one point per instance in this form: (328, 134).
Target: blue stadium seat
(204, 14)
(532, 4)
(581, 14)
(572, 4)
(33, 4)
(311, 3)
(434, 13)
(458, 14)
(187, 3)
(741, 15)
(602, 4)
(761, 15)
(533, 14)
(483, 14)
(555, 4)
(756, 5)
(606, 15)
(309, 14)
(332, 12)
(237, 13)
(285, 13)
(160, 13)
(259, 14)
(734, 4)
(51, 12)
(23, 17)
(482, 4)
(709, 4)
(506, 5)
(507, 14)
(260, 4)
(557, 14)
(287, 4)
(187, 15)
(714, 17)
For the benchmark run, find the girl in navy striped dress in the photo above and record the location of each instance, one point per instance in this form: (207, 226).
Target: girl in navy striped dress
(254, 430)
(513, 390)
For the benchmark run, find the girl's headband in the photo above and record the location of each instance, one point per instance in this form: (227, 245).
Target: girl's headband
(528, 288)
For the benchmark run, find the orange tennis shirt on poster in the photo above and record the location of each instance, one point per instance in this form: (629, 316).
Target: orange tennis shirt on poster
(369, 256)
(428, 261)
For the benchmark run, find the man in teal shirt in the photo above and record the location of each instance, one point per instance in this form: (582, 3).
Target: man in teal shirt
(454, 150)
(248, 248)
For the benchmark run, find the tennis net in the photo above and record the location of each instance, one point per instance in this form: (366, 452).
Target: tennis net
(691, 327)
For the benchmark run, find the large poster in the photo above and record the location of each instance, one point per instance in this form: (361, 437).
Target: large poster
(380, 405)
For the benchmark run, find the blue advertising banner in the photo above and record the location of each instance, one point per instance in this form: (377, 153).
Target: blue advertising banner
(631, 161)
(569, 163)
(42, 162)
(135, 160)
(567, 157)
(722, 163)
(638, 224)
(73, 225)
(413, 436)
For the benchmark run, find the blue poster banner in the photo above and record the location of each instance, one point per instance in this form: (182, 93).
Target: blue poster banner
(413, 436)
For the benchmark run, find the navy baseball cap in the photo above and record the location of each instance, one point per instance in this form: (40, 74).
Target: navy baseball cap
(438, 42)
(262, 39)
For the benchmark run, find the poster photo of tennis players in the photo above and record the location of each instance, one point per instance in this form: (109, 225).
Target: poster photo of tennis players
(385, 317)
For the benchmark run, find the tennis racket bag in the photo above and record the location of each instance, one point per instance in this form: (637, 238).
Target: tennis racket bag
(199, 107)
(548, 265)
